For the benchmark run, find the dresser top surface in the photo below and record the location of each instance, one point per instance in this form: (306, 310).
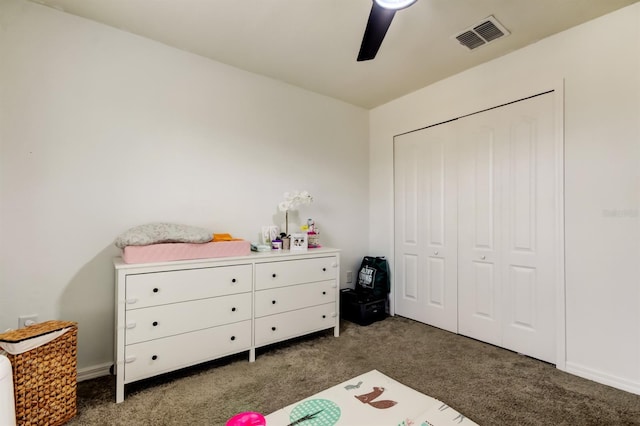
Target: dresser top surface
(252, 257)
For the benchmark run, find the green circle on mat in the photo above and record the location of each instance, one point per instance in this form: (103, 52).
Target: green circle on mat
(328, 412)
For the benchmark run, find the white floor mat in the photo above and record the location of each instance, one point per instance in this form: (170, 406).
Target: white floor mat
(371, 399)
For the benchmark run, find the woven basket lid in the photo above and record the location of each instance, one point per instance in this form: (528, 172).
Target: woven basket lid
(35, 330)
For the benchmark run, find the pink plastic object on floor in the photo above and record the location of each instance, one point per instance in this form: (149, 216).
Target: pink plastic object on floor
(249, 418)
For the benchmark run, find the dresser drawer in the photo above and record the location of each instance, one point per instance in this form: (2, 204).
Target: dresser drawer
(159, 288)
(283, 326)
(167, 320)
(290, 272)
(282, 299)
(159, 356)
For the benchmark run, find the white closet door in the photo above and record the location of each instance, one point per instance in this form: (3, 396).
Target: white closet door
(425, 283)
(507, 229)
(479, 280)
(530, 252)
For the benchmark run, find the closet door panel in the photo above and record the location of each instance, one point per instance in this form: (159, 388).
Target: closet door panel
(424, 166)
(522, 297)
(481, 147)
(437, 287)
(434, 176)
(530, 255)
(408, 288)
(440, 226)
(479, 280)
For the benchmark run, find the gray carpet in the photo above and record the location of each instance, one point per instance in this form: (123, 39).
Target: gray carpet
(491, 386)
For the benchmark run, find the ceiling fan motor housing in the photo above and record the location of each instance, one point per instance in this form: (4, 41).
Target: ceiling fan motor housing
(394, 4)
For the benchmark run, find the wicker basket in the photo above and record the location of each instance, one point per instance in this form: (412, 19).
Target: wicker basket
(45, 378)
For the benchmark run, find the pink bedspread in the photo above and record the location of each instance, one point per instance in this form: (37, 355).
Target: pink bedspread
(184, 251)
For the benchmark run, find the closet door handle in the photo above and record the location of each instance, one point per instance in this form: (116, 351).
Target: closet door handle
(483, 257)
(435, 253)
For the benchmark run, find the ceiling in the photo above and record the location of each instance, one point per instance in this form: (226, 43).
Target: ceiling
(313, 44)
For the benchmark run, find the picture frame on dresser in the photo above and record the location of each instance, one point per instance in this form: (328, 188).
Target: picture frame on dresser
(299, 242)
(171, 315)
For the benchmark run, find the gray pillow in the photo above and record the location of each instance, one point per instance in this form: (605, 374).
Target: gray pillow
(153, 233)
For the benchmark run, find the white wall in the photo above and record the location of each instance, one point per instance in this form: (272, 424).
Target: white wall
(600, 64)
(101, 130)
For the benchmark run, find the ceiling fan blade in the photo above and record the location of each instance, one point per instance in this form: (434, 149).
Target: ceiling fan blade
(377, 26)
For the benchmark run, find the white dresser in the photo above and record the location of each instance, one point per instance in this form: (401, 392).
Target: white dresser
(172, 315)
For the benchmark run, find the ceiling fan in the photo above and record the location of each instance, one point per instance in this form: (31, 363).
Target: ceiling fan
(380, 18)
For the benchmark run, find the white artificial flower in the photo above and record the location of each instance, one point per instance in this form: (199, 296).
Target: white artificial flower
(291, 201)
(284, 206)
(294, 199)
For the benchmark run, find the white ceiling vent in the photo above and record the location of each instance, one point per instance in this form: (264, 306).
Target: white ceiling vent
(485, 32)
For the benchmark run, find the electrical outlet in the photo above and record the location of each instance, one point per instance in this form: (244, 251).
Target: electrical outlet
(26, 320)
(349, 277)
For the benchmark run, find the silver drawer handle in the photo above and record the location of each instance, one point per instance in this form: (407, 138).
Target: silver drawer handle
(483, 257)
(129, 359)
(435, 253)
(132, 301)
(131, 325)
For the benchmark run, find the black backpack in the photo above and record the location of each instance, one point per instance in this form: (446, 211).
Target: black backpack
(373, 277)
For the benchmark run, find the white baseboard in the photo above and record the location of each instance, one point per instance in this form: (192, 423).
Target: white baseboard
(93, 372)
(603, 378)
